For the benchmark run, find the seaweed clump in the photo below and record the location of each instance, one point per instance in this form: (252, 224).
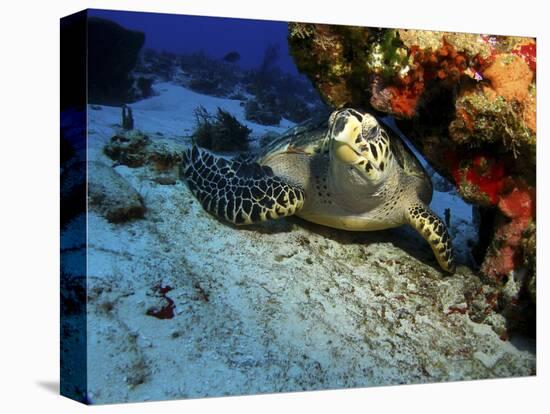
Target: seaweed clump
(220, 132)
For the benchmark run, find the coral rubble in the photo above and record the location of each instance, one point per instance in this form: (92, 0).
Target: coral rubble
(468, 103)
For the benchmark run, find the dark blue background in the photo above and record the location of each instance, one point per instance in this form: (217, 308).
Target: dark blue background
(213, 35)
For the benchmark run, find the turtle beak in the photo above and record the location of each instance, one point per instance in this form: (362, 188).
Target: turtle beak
(345, 153)
(345, 130)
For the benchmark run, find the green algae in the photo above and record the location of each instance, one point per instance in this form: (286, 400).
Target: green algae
(387, 57)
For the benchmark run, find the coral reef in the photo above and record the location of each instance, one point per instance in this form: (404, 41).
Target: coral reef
(468, 103)
(158, 64)
(268, 93)
(277, 94)
(209, 76)
(220, 132)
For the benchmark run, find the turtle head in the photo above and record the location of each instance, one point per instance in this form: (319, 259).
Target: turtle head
(358, 144)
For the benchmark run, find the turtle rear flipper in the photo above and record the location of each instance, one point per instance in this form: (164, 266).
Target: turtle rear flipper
(434, 231)
(238, 191)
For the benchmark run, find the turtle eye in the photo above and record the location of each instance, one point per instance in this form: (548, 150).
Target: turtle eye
(369, 127)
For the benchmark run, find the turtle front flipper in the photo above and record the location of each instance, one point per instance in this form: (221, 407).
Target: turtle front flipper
(238, 191)
(434, 231)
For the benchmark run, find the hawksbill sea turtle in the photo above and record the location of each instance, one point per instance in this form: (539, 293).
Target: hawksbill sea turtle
(349, 173)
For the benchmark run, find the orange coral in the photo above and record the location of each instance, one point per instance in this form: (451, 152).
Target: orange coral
(518, 203)
(444, 64)
(510, 77)
(404, 100)
(466, 117)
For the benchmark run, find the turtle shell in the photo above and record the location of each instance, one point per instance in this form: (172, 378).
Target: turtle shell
(307, 137)
(410, 164)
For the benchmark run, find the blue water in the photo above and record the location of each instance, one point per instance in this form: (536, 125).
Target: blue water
(216, 37)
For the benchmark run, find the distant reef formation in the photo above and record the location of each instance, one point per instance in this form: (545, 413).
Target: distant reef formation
(267, 93)
(468, 103)
(112, 54)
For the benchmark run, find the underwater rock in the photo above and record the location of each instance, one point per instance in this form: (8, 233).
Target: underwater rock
(145, 86)
(128, 148)
(467, 102)
(510, 260)
(321, 52)
(111, 195)
(529, 246)
(135, 149)
(112, 54)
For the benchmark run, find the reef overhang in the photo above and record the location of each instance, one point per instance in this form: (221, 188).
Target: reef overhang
(468, 103)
